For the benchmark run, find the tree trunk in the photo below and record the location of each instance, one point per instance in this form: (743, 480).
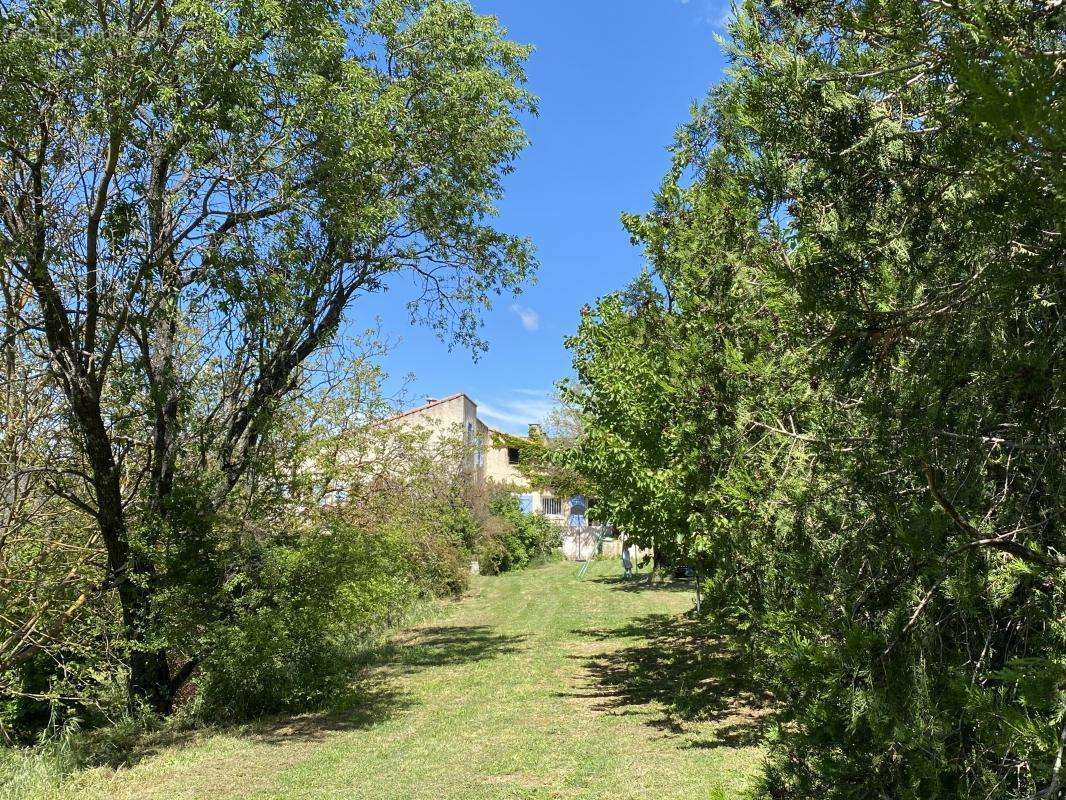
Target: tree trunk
(150, 681)
(656, 566)
(129, 573)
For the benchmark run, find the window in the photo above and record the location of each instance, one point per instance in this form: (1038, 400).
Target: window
(551, 506)
(512, 455)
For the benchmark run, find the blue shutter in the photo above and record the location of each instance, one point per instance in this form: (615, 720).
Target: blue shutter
(577, 511)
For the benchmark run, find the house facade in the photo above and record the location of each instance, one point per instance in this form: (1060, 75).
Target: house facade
(457, 413)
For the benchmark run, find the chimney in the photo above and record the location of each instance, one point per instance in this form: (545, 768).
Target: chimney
(536, 432)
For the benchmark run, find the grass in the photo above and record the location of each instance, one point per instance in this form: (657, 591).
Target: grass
(539, 685)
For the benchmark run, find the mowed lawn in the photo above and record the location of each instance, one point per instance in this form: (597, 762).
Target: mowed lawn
(540, 684)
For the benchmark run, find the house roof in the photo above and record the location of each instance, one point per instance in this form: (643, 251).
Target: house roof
(424, 406)
(437, 402)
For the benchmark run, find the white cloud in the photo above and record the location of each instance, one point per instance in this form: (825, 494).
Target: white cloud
(530, 318)
(492, 413)
(716, 14)
(518, 410)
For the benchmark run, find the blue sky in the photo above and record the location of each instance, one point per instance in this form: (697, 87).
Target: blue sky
(615, 79)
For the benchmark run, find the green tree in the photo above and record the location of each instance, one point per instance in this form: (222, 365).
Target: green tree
(192, 195)
(843, 392)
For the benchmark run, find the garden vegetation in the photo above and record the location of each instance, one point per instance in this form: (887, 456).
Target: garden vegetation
(201, 507)
(838, 389)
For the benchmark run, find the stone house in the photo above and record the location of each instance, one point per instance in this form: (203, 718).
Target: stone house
(457, 413)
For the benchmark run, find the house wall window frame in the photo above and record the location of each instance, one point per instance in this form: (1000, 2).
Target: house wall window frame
(551, 506)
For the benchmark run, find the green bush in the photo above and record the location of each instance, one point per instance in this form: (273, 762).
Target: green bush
(513, 539)
(317, 603)
(309, 605)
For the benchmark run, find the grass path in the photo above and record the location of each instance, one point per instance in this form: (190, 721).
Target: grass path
(539, 685)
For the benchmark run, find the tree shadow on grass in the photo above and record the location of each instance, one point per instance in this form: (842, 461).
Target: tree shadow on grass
(639, 583)
(369, 701)
(369, 696)
(681, 669)
(445, 645)
(372, 697)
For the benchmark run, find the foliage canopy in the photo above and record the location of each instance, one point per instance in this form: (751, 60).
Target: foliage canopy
(838, 389)
(191, 196)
